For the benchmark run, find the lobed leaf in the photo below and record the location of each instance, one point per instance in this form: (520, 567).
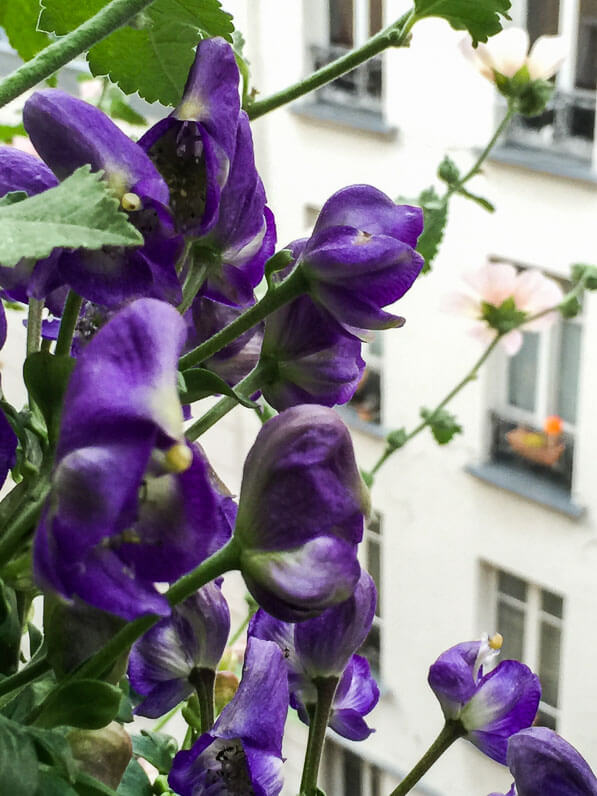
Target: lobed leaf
(480, 17)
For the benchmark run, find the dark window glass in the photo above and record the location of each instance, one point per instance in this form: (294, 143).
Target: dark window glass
(522, 373)
(352, 766)
(375, 16)
(586, 57)
(542, 18)
(375, 781)
(549, 663)
(510, 623)
(545, 720)
(374, 568)
(341, 16)
(367, 399)
(512, 586)
(371, 649)
(569, 361)
(552, 604)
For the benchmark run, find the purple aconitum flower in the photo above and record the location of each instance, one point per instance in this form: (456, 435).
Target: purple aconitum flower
(194, 146)
(8, 439)
(165, 663)
(242, 754)
(322, 648)
(300, 515)
(236, 360)
(361, 257)
(490, 707)
(310, 357)
(544, 764)
(69, 133)
(131, 503)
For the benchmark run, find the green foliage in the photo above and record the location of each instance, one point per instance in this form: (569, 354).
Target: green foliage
(79, 213)
(435, 215)
(480, 17)
(134, 781)
(141, 56)
(46, 377)
(51, 784)
(8, 132)
(571, 307)
(443, 424)
(89, 704)
(157, 748)
(115, 105)
(19, 20)
(503, 318)
(197, 383)
(586, 272)
(448, 171)
(276, 263)
(396, 439)
(18, 760)
(480, 200)
(10, 631)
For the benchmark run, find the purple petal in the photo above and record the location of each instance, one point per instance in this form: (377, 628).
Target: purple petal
(163, 697)
(451, 677)
(8, 447)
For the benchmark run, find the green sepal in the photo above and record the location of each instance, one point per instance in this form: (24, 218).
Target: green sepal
(503, 318)
(46, 377)
(200, 383)
(278, 262)
(443, 425)
(588, 273)
(88, 704)
(157, 748)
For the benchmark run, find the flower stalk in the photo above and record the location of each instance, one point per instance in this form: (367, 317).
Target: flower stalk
(326, 688)
(70, 315)
(451, 731)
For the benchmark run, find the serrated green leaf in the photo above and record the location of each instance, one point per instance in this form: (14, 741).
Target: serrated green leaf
(18, 761)
(19, 20)
(157, 748)
(79, 213)
(480, 17)
(200, 383)
(12, 197)
(435, 217)
(443, 425)
(53, 748)
(89, 704)
(46, 377)
(480, 200)
(152, 55)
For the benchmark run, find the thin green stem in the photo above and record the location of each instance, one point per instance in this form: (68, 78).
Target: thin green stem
(244, 388)
(395, 35)
(240, 629)
(68, 323)
(34, 314)
(451, 731)
(193, 282)
(26, 675)
(318, 724)
(292, 287)
(203, 680)
(61, 52)
(24, 522)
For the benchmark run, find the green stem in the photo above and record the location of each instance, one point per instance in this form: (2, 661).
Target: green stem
(318, 724)
(245, 388)
(292, 287)
(34, 325)
(26, 675)
(61, 52)
(203, 681)
(476, 168)
(451, 731)
(68, 323)
(24, 522)
(193, 282)
(395, 35)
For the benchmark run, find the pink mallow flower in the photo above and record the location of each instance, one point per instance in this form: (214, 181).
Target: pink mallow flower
(495, 283)
(506, 54)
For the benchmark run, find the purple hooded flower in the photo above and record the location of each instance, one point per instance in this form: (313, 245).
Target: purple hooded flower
(323, 647)
(300, 515)
(165, 662)
(194, 146)
(361, 257)
(8, 447)
(131, 503)
(544, 764)
(490, 707)
(236, 360)
(312, 359)
(244, 235)
(242, 754)
(69, 133)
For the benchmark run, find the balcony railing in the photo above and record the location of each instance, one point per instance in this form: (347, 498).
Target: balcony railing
(359, 89)
(566, 127)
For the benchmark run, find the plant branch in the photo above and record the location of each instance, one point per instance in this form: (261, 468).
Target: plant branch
(395, 35)
(318, 724)
(24, 522)
(61, 52)
(68, 323)
(26, 675)
(451, 731)
(34, 314)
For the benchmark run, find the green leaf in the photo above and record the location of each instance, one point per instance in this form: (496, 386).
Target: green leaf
(134, 781)
(435, 217)
(156, 747)
(396, 439)
(46, 377)
(152, 55)
(89, 786)
(586, 272)
(89, 704)
(115, 105)
(200, 382)
(503, 318)
(480, 17)
(80, 212)
(18, 761)
(12, 197)
(51, 784)
(10, 631)
(485, 203)
(19, 20)
(8, 132)
(571, 307)
(443, 425)
(53, 748)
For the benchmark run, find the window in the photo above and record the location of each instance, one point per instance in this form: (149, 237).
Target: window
(367, 400)
(372, 548)
(530, 619)
(568, 124)
(337, 26)
(540, 380)
(346, 774)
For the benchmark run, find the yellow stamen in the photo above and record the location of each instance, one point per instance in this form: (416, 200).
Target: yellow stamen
(131, 202)
(178, 458)
(496, 641)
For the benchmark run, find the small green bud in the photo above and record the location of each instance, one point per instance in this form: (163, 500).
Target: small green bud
(396, 439)
(587, 272)
(571, 307)
(448, 171)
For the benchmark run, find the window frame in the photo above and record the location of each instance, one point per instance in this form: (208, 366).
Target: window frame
(377, 538)
(333, 771)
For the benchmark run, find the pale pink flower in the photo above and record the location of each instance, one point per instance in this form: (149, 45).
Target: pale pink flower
(493, 283)
(506, 53)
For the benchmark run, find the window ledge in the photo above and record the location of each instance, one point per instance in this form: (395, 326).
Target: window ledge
(527, 485)
(352, 419)
(341, 116)
(544, 160)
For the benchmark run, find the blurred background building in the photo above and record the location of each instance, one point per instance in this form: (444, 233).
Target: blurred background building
(471, 537)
